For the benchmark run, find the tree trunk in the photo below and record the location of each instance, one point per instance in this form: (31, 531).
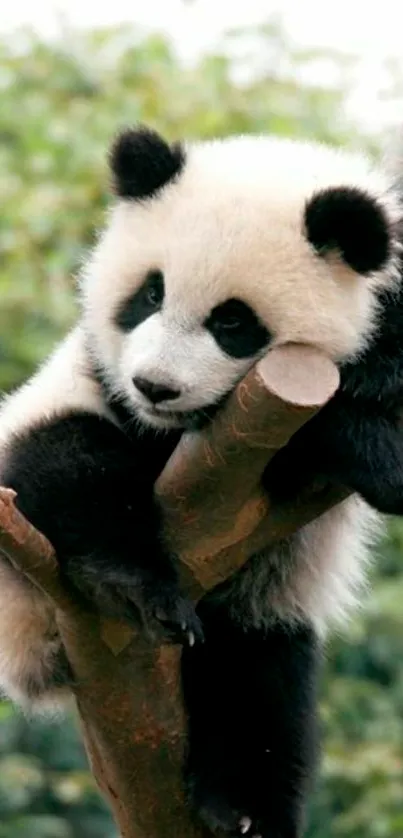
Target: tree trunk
(127, 690)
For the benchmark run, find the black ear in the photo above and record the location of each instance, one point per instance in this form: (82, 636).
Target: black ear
(142, 162)
(348, 220)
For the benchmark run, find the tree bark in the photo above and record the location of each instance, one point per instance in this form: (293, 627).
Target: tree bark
(128, 691)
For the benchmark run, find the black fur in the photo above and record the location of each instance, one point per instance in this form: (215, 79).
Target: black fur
(147, 300)
(250, 695)
(348, 220)
(234, 701)
(237, 329)
(143, 163)
(251, 699)
(89, 489)
(357, 439)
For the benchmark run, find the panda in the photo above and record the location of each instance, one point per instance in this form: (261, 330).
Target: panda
(213, 253)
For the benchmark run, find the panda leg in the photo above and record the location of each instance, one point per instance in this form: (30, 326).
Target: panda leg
(251, 704)
(33, 667)
(81, 482)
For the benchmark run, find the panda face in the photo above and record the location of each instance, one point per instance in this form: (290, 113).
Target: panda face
(181, 366)
(214, 255)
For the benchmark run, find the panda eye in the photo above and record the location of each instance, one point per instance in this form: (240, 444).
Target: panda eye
(154, 289)
(237, 329)
(229, 322)
(231, 316)
(153, 296)
(145, 302)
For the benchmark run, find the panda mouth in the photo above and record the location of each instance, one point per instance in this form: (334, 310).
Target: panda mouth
(192, 420)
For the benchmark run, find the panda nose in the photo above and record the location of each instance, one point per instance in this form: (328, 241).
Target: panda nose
(155, 392)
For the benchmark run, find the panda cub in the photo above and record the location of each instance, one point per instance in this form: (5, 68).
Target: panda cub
(212, 254)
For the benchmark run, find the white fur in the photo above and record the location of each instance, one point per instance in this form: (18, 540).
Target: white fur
(63, 383)
(231, 225)
(319, 573)
(29, 640)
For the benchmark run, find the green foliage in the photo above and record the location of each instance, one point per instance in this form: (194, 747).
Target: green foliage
(61, 104)
(46, 790)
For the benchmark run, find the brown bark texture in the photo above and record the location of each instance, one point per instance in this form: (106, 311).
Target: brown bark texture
(128, 690)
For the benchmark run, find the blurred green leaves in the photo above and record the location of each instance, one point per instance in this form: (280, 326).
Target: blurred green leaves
(61, 104)
(46, 790)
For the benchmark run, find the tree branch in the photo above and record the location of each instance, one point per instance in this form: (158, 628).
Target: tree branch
(127, 691)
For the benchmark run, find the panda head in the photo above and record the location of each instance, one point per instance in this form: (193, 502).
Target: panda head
(215, 252)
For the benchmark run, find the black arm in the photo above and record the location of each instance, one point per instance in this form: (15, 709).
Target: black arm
(89, 489)
(359, 448)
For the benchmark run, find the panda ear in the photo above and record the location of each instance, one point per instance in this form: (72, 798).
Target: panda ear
(349, 221)
(142, 163)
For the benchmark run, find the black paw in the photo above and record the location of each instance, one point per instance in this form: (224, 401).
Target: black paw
(172, 614)
(219, 816)
(139, 598)
(231, 811)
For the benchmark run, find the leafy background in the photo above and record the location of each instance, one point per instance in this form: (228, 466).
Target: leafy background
(61, 103)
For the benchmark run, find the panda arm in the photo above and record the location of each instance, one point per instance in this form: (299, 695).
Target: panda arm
(364, 451)
(359, 447)
(81, 482)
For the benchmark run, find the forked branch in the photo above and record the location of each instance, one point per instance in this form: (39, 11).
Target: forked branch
(127, 691)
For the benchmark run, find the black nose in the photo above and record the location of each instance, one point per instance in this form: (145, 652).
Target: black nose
(155, 392)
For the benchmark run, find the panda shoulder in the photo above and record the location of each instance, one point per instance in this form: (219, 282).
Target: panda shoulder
(64, 383)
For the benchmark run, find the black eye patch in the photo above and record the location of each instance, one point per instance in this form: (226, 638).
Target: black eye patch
(237, 329)
(146, 301)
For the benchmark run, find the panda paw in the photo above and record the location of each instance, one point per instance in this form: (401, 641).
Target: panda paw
(140, 598)
(243, 814)
(219, 816)
(169, 615)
